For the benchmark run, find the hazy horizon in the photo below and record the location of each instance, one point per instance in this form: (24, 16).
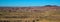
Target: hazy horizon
(24, 3)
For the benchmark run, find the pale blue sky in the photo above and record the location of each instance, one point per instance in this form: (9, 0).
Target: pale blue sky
(29, 2)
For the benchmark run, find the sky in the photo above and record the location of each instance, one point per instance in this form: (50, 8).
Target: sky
(29, 2)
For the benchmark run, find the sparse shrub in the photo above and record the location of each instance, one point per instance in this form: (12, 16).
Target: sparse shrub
(33, 20)
(0, 14)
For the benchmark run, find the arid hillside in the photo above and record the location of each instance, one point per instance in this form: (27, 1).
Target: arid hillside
(30, 14)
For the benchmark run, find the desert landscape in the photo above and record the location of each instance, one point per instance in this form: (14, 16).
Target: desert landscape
(46, 13)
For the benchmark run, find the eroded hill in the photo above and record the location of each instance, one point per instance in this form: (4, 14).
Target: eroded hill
(30, 14)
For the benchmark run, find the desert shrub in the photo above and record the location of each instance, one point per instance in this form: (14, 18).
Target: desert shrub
(6, 21)
(27, 21)
(9, 10)
(10, 17)
(0, 14)
(33, 20)
(18, 21)
(24, 17)
(37, 19)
